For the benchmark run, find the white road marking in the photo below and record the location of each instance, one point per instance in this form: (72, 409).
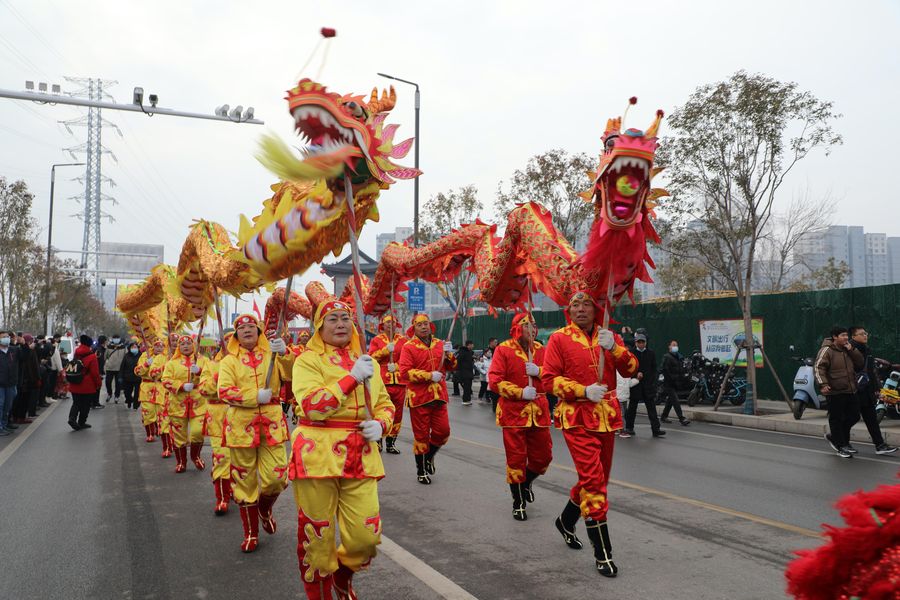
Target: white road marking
(443, 586)
(20, 438)
(774, 445)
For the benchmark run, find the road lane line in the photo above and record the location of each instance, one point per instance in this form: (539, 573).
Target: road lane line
(785, 446)
(669, 496)
(20, 439)
(441, 585)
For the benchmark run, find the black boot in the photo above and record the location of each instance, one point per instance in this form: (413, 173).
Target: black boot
(429, 459)
(518, 502)
(390, 445)
(380, 446)
(421, 475)
(565, 523)
(527, 492)
(598, 533)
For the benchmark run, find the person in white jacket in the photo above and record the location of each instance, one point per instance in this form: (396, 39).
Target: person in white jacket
(484, 365)
(623, 393)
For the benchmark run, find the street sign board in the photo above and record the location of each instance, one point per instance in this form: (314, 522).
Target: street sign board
(415, 296)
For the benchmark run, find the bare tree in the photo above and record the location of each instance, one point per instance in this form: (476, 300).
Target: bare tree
(553, 179)
(733, 144)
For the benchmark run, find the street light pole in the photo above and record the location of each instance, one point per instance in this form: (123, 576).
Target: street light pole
(416, 180)
(50, 243)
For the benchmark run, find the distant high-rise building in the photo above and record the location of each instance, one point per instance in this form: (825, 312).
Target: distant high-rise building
(873, 258)
(893, 258)
(399, 235)
(876, 259)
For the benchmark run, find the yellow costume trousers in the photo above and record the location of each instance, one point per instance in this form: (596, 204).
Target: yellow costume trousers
(260, 470)
(221, 455)
(148, 413)
(162, 413)
(186, 430)
(355, 504)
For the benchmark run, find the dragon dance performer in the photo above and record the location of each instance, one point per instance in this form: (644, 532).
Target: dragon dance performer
(152, 393)
(522, 410)
(255, 429)
(186, 405)
(212, 428)
(589, 415)
(424, 362)
(335, 465)
(386, 348)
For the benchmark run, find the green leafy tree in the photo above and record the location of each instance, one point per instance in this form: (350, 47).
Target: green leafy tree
(731, 147)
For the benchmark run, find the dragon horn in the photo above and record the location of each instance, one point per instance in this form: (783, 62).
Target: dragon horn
(631, 102)
(654, 127)
(386, 103)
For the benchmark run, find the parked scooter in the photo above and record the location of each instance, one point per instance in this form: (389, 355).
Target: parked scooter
(888, 403)
(805, 387)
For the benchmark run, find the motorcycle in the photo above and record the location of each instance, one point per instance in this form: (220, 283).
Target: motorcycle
(888, 403)
(708, 378)
(805, 387)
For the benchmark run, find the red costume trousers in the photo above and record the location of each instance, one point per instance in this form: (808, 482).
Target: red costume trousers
(430, 425)
(592, 453)
(527, 448)
(398, 395)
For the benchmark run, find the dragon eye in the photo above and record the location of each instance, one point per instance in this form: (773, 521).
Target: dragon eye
(355, 109)
(611, 143)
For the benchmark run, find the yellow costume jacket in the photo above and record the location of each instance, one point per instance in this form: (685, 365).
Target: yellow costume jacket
(215, 408)
(331, 404)
(241, 375)
(184, 404)
(149, 369)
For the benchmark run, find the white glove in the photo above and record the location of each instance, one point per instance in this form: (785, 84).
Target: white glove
(363, 368)
(195, 369)
(595, 392)
(448, 347)
(606, 338)
(390, 347)
(392, 367)
(532, 370)
(264, 396)
(188, 387)
(633, 382)
(371, 430)
(436, 376)
(529, 393)
(277, 346)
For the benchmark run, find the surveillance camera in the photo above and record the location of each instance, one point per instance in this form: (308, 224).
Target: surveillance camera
(102, 282)
(248, 114)
(153, 100)
(222, 111)
(138, 98)
(236, 112)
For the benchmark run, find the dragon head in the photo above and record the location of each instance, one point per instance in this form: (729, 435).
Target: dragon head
(341, 133)
(622, 181)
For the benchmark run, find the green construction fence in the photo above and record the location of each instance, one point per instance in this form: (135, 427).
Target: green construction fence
(801, 319)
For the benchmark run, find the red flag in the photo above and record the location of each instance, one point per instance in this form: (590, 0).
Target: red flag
(256, 310)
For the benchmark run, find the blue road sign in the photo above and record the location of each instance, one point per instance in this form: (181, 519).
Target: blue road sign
(415, 296)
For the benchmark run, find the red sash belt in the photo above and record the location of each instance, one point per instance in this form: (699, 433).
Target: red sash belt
(330, 424)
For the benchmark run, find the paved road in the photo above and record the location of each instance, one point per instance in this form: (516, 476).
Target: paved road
(98, 514)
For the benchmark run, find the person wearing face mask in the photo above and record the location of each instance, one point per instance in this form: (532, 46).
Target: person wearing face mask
(589, 414)
(344, 410)
(522, 410)
(187, 406)
(25, 406)
(86, 391)
(9, 379)
(644, 390)
(386, 348)
(115, 354)
(255, 428)
(673, 371)
(424, 362)
(131, 381)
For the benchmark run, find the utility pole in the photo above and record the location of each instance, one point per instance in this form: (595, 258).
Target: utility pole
(50, 243)
(93, 149)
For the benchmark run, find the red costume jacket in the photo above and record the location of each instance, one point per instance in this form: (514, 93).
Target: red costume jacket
(379, 351)
(507, 378)
(417, 361)
(570, 365)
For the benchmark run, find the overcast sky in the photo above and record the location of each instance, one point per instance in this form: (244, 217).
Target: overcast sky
(501, 81)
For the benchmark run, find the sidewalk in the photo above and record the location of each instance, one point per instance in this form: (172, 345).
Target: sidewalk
(775, 416)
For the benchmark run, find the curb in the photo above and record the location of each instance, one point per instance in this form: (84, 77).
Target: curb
(859, 433)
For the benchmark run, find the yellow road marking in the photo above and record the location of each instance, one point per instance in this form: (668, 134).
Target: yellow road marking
(669, 496)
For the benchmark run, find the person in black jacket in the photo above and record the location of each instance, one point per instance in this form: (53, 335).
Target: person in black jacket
(644, 391)
(25, 405)
(100, 351)
(465, 371)
(673, 372)
(867, 386)
(9, 380)
(131, 382)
